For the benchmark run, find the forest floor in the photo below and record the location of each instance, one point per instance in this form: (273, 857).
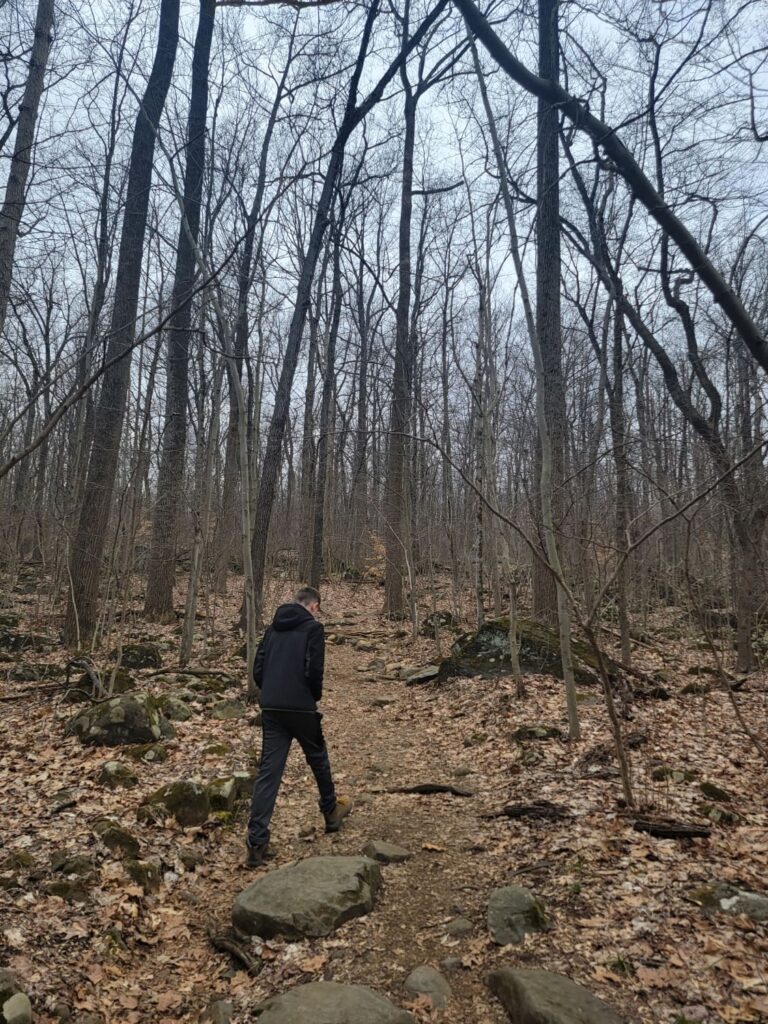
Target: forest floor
(625, 921)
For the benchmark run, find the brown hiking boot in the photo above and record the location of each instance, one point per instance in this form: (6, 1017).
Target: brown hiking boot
(255, 855)
(335, 817)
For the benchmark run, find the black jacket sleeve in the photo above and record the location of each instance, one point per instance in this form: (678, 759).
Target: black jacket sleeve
(258, 661)
(315, 663)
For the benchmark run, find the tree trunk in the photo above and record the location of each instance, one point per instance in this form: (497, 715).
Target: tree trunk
(548, 291)
(326, 419)
(21, 160)
(161, 573)
(91, 535)
(396, 519)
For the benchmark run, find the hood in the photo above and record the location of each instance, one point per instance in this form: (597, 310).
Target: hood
(290, 616)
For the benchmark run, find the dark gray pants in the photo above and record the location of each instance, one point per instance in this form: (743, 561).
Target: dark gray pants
(278, 730)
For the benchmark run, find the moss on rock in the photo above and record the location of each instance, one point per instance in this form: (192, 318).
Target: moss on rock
(186, 801)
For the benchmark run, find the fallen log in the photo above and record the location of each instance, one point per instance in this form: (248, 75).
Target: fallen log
(667, 828)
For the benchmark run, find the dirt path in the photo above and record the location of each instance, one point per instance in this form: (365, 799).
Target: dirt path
(623, 921)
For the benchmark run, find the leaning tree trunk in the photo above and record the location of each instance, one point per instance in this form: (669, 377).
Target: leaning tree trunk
(158, 604)
(91, 535)
(21, 161)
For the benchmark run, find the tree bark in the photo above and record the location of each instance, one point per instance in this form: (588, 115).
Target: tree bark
(161, 572)
(21, 160)
(548, 327)
(91, 535)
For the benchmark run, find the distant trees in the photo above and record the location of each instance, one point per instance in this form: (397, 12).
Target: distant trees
(275, 326)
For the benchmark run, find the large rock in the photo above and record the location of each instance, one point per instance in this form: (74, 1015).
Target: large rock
(129, 718)
(311, 898)
(513, 913)
(731, 900)
(116, 775)
(541, 997)
(328, 1002)
(487, 650)
(426, 981)
(140, 655)
(186, 801)
(386, 853)
(16, 1010)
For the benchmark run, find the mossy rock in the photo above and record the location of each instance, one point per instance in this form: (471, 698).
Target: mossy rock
(716, 793)
(729, 899)
(695, 689)
(139, 655)
(116, 775)
(663, 773)
(222, 794)
(210, 684)
(437, 621)
(513, 913)
(16, 642)
(82, 691)
(149, 753)
(174, 709)
(186, 801)
(23, 672)
(127, 719)
(145, 873)
(18, 860)
(487, 650)
(228, 710)
(244, 782)
(217, 749)
(720, 815)
(71, 890)
(118, 840)
(65, 863)
(537, 732)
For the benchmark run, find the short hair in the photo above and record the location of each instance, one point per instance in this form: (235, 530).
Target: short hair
(307, 596)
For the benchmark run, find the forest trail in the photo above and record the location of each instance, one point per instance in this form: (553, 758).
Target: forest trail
(623, 919)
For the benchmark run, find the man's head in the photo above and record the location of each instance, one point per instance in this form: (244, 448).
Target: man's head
(310, 598)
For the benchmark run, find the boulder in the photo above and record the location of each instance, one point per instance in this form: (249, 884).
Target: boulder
(174, 708)
(537, 732)
(311, 898)
(145, 873)
(426, 981)
(9, 984)
(459, 928)
(129, 718)
(731, 900)
(16, 1010)
(513, 913)
(717, 793)
(386, 853)
(139, 655)
(149, 753)
(228, 710)
(422, 675)
(117, 839)
(218, 1012)
(328, 1002)
(487, 650)
(222, 794)
(83, 690)
(244, 784)
(541, 997)
(116, 775)
(186, 801)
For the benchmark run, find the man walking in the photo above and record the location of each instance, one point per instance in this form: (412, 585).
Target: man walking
(289, 667)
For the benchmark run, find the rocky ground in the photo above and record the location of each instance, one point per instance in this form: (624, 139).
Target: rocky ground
(131, 919)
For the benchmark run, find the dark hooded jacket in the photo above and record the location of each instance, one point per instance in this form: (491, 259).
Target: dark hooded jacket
(289, 661)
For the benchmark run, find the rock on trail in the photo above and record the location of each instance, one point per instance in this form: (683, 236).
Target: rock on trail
(328, 1002)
